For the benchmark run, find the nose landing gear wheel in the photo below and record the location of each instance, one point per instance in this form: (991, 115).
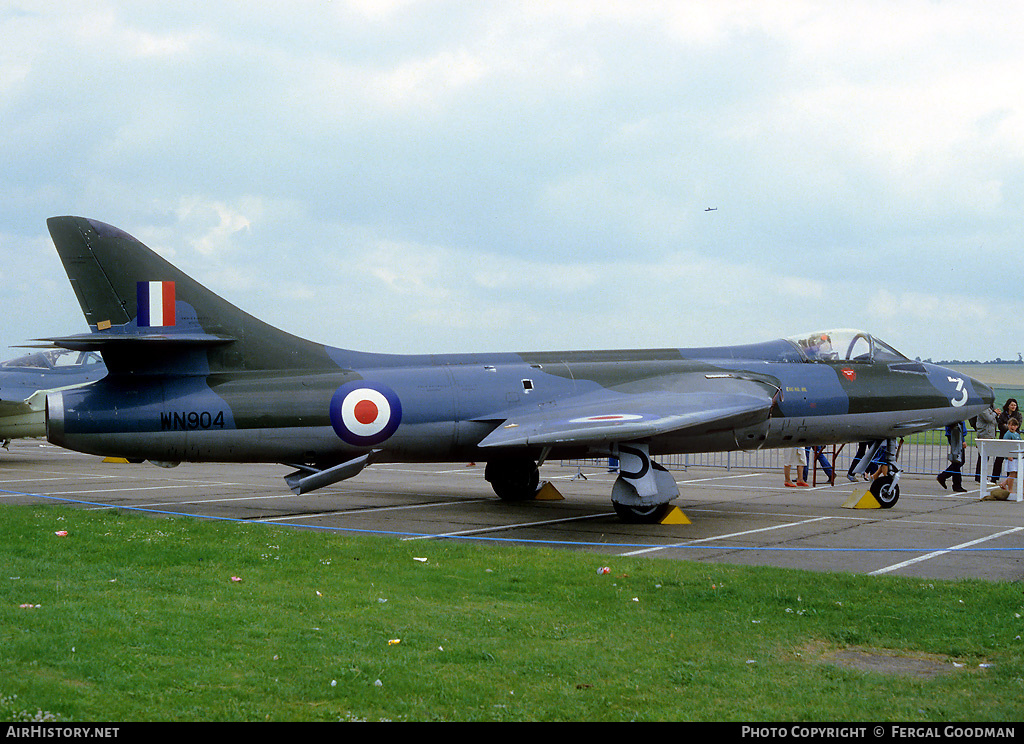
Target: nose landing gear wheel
(885, 491)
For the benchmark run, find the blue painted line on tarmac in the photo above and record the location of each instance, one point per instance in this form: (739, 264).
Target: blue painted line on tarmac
(520, 540)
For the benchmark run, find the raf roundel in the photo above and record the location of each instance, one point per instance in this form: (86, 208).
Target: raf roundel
(607, 417)
(365, 413)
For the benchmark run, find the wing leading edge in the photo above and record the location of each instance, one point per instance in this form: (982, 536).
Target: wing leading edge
(623, 418)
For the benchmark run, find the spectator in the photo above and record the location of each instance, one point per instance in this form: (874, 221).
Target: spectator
(1010, 410)
(1002, 493)
(795, 459)
(985, 428)
(955, 435)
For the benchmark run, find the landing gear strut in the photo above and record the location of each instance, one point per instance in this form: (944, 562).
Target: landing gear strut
(643, 489)
(885, 488)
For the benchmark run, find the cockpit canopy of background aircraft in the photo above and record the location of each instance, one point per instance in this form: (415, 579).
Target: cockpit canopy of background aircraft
(55, 359)
(845, 345)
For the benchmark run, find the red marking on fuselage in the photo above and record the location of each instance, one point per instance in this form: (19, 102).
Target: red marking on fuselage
(366, 412)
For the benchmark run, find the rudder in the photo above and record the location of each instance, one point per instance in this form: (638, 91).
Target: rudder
(128, 292)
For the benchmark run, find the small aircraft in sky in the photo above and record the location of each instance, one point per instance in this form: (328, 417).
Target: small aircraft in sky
(25, 381)
(194, 378)
(711, 209)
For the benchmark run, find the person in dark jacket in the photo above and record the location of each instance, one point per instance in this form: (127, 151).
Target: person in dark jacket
(985, 428)
(955, 435)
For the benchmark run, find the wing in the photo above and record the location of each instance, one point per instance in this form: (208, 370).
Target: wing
(18, 397)
(14, 408)
(622, 418)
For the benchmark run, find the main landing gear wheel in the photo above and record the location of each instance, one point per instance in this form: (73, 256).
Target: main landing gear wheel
(885, 491)
(642, 514)
(513, 480)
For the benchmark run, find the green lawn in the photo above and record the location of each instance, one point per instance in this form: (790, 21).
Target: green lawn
(134, 618)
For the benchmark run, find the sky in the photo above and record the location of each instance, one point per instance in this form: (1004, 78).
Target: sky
(429, 177)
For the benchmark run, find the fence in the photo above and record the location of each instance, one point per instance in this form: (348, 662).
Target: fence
(922, 454)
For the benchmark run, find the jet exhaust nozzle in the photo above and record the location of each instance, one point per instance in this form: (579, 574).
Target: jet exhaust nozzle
(55, 418)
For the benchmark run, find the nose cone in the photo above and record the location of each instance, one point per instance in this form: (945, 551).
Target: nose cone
(983, 391)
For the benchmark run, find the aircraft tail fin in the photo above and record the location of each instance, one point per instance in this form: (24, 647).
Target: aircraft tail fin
(145, 313)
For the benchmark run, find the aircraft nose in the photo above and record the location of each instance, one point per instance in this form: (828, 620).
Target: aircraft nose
(984, 391)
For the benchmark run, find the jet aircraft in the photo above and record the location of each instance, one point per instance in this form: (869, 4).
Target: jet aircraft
(25, 381)
(194, 378)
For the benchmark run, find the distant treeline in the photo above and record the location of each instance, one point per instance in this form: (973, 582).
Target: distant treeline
(997, 360)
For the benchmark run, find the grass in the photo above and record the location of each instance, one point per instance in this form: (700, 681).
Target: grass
(132, 618)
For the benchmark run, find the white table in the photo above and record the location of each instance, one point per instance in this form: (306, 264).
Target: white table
(1009, 448)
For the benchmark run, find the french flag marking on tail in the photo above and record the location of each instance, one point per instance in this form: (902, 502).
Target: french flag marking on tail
(156, 304)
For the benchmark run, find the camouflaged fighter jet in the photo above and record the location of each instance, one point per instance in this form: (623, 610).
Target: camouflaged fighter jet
(25, 381)
(193, 378)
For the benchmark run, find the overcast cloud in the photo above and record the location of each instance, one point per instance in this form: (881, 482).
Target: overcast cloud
(412, 176)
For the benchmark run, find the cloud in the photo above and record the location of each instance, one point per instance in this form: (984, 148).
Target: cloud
(226, 221)
(443, 176)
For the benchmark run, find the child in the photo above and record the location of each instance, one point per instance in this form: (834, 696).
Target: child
(1002, 493)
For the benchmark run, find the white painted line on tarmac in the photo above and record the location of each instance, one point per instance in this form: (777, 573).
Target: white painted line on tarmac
(60, 477)
(424, 471)
(371, 510)
(937, 553)
(517, 526)
(725, 537)
(721, 478)
(156, 504)
(36, 480)
(168, 504)
(161, 487)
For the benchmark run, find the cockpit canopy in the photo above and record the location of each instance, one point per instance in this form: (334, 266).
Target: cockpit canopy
(844, 345)
(55, 359)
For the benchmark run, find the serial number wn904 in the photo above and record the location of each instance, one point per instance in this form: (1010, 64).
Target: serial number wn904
(189, 420)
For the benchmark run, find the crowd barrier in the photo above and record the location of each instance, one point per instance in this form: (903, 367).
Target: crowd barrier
(922, 454)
